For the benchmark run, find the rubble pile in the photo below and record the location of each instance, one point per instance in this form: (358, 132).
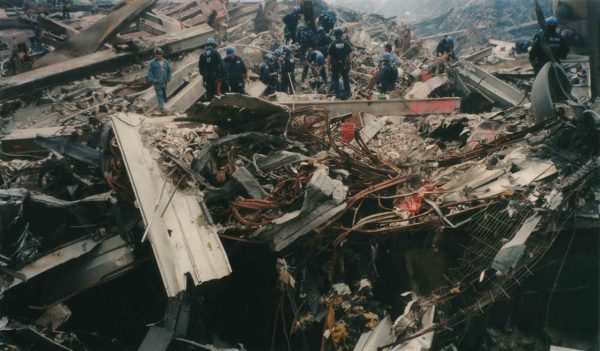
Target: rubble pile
(439, 215)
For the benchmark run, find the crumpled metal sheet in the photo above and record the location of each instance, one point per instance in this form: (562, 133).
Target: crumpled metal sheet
(551, 85)
(249, 183)
(324, 199)
(511, 252)
(239, 112)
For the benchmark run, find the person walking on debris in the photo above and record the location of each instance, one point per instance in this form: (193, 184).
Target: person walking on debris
(327, 21)
(288, 71)
(66, 9)
(388, 75)
(237, 74)
(322, 41)
(291, 24)
(548, 45)
(315, 63)
(212, 69)
(159, 74)
(445, 48)
(268, 73)
(339, 57)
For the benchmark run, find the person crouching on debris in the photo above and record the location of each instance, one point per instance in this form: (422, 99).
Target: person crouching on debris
(388, 75)
(323, 40)
(212, 69)
(445, 48)
(237, 74)
(159, 74)
(548, 45)
(315, 63)
(339, 56)
(288, 71)
(268, 74)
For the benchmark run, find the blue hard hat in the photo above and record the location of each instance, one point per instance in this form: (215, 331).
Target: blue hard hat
(387, 56)
(551, 21)
(211, 41)
(296, 10)
(229, 51)
(450, 39)
(330, 13)
(270, 57)
(338, 32)
(278, 52)
(320, 58)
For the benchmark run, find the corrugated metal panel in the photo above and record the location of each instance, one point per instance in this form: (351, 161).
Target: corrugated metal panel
(182, 240)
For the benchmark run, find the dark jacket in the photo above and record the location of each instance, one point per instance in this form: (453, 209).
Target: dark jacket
(211, 64)
(157, 76)
(236, 68)
(387, 77)
(322, 42)
(327, 22)
(265, 73)
(555, 42)
(291, 21)
(445, 47)
(305, 36)
(339, 50)
(288, 65)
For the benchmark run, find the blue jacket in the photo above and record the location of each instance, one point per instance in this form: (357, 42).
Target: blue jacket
(155, 76)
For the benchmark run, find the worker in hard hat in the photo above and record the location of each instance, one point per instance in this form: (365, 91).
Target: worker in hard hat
(315, 64)
(268, 73)
(212, 69)
(291, 25)
(237, 73)
(288, 71)
(327, 20)
(339, 58)
(159, 74)
(387, 75)
(548, 45)
(445, 48)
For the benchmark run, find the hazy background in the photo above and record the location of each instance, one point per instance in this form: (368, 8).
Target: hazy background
(419, 9)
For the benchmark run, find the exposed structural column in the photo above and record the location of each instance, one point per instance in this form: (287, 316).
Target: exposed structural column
(594, 39)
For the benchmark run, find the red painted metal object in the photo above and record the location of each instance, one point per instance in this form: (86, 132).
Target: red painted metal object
(431, 106)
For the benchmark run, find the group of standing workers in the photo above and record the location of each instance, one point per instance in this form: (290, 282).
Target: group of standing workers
(222, 75)
(219, 75)
(317, 51)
